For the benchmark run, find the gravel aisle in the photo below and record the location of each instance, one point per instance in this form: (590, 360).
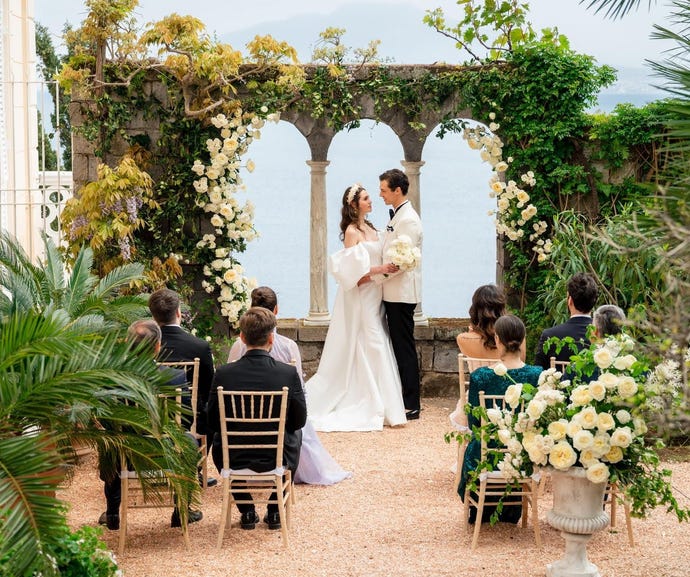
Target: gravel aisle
(398, 515)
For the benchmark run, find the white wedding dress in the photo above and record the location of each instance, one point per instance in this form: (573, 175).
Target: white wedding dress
(357, 385)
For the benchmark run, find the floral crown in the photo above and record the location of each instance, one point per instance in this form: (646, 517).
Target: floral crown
(352, 191)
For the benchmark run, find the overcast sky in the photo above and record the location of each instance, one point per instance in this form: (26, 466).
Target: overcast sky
(618, 43)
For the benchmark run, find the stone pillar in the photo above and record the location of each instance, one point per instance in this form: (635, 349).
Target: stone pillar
(412, 169)
(318, 243)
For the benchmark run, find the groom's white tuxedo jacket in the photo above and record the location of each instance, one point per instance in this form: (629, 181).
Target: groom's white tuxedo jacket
(402, 287)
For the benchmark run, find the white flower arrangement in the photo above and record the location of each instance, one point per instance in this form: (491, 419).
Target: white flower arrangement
(594, 419)
(403, 253)
(514, 215)
(233, 227)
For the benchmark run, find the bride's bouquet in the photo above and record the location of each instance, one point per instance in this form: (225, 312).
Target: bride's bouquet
(404, 254)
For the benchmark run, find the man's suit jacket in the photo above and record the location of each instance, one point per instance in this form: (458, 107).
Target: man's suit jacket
(575, 327)
(402, 287)
(178, 345)
(258, 371)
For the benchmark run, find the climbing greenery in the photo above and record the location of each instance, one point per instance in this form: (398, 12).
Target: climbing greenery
(536, 86)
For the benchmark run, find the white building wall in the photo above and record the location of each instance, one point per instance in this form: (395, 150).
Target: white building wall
(20, 195)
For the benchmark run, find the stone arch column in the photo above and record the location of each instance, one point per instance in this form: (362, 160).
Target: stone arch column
(318, 242)
(413, 169)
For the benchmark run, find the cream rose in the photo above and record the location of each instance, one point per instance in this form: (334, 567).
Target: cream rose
(605, 422)
(621, 437)
(583, 440)
(598, 473)
(623, 416)
(512, 394)
(614, 455)
(562, 456)
(601, 444)
(627, 387)
(500, 369)
(587, 417)
(598, 390)
(603, 358)
(581, 396)
(624, 363)
(535, 408)
(558, 429)
(608, 379)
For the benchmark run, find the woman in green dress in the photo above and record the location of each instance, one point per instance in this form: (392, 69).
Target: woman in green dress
(509, 334)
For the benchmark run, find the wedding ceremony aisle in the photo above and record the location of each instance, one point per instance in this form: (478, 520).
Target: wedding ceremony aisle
(398, 515)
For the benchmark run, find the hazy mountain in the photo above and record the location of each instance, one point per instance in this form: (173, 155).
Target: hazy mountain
(404, 36)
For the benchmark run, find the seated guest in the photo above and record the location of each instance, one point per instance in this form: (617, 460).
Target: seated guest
(316, 466)
(143, 331)
(258, 371)
(488, 303)
(510, 333)
(582, 296)
(179, 345)
(608, 321)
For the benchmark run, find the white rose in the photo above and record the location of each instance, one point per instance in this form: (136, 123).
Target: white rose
(603, 358)
(581, 396)
(602, 444)
(614, 455)
(623, 416)
(625, 362)
(535, 408)
(500, 369)
(583, 440)
(216, 221)
(512, 394)
(627, 387)
(587, 458)
(598, 473)
(621, 437)
(605, 422)
(588, 418)
(609, 380)
(598, 390)
(504, 436)
(494, 415)
(572, 428)
(640, 426)
(557, 429)
(562, 456)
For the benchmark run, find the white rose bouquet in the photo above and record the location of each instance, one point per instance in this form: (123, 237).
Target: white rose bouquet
(593, 418)
(403, 253)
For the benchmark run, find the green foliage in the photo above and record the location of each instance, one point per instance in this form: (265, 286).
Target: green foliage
(83, 554)
(66, 371)
(497, 27)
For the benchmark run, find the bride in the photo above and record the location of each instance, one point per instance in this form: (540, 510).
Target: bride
(357, 385)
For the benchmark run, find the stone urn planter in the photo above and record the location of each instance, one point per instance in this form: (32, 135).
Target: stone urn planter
(578, 512)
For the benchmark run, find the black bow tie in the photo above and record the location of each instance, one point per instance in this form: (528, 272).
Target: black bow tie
(391, 212)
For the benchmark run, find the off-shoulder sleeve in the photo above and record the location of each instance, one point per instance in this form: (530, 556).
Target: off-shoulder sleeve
(349, 265)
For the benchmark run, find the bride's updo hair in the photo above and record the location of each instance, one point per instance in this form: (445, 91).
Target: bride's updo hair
(488, 304)
(510, 330)
(350, 212)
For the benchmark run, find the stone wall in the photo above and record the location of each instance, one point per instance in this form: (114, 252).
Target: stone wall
(436, 349)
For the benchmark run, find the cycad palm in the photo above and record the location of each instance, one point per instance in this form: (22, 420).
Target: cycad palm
(65, 371)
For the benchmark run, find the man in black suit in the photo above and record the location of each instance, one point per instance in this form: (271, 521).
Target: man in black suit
(582, 296)
(142, 331)
(179, 345)
(258, 371)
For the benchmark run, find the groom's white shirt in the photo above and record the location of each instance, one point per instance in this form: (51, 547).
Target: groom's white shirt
(402, 287)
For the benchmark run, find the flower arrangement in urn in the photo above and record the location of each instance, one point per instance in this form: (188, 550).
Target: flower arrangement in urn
(593, 416)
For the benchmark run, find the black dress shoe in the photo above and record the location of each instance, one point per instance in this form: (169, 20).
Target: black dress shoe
(249, 520)
(112, 522)
(192, 517)
(412, 415)
(272, 520)
(210, 481)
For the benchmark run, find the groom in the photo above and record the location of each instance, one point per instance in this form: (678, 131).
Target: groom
(402, 290)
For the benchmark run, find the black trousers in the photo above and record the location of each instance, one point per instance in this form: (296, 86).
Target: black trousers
(400, 317)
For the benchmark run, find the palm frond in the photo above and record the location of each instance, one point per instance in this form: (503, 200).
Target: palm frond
(614, 8)
(81, 281)
(53, 269)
